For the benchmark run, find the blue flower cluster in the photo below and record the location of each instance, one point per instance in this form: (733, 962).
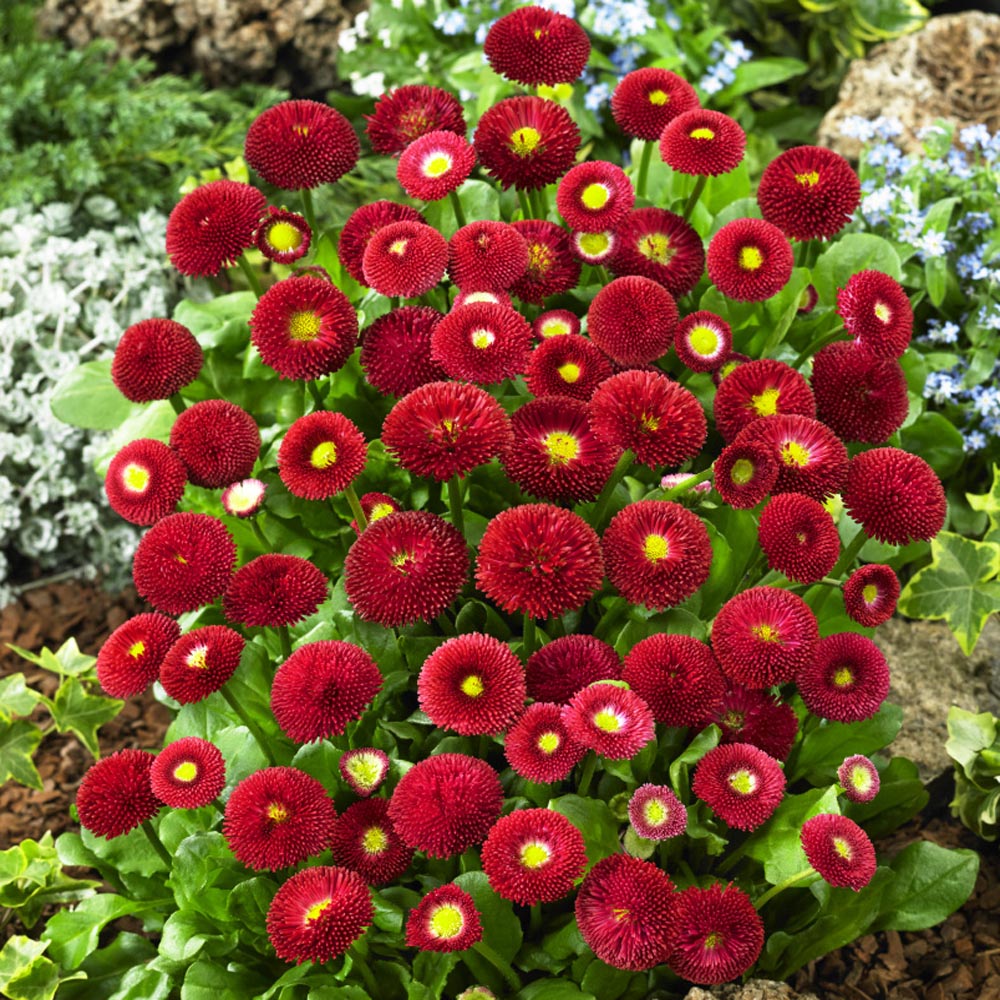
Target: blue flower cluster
(724, 57)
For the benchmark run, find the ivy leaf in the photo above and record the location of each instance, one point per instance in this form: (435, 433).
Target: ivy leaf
(72, 935)
(25, 973)
(74, 710)
(67, 660)
(18, 741)
(16, 698)
(989, 503)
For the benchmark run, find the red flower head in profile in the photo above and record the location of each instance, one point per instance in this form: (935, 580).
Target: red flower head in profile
(321, 455)
(744, 474)
(405, 259)
(115, 795)
(217, 441)
(129, 661)
(632, 320)
(569, 663)
(555, 323)
(155, 359)
(539, 747)
(742, 784)
(364, 769)
(188, 773)
(200, 662)
(274, 590)
(799, 537)
(552, 269)
(757, 389)
(594, 196)
(877, 313)
(406, 113)
(362, 225)
(435, 164)
(847, 680)
(703, 142)
(839, 850)
(567, 366)
(482, 343)
(283, 236)
(648, 99)
(396, 350)
(532, 45)
(749, 260)
(243, 499)
(748, 716)
(870, 594)
(446, 919)
(703, 341)
(658, 244)
(656, 813)
(301, 144)
(859, 778)
(487, 256)
(145, 481)
(365, 841)
(612, 721)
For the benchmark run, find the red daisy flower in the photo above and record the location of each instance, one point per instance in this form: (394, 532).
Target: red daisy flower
(243, 499)
(749, 260)
(145, 481)
(471, 298)
(376, 506)
(405, 259)
(155, 359)
(274, 590)
(363, 224)
(188, 774)
(716, 934)
(404, 568)
(658, 244)
(446, 919)
(846, 680)
(656, 813)
(764, 636)
(321, 455)
(594, 196)
(304, 328)
(809, 192)
(566, 665)
(895, 496)
(859, 778)
(472, 684)
(533, 46)
(748, 716)
(200, 662)
(555, 323)
(283, 236)
(799, 537)
(435, 164)
(703, 142)
(870, 594)
(365, 841)
(839, 850)
(318, 914)
(703, 341)
(742, 784)
(115, 795)
(661, 421)
(648, 99)
(217, 441)
(533, 856)
(632, 320)
(364, 769)
(876, 313)
(624, 912)
(487, 256)
(730, 365)
(396, 350)
(760, 389)
(539, 747)
(526, 142)
(477, 993)
(552, 269)
(539, 559)
(612, 721)
(129, 661)
(745, 473)
(402, 115)
(211, 226)
(183, 562)
(595, 248)
(446, 803)
(566, 366)
(482, 343)
(301, 144)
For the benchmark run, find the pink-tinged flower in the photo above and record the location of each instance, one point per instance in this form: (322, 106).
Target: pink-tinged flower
(870, 594)
(406, 113)
(658, 244)
(145, 481)
(446, 803)
(703, 142)
(764, 636)
(243, 499)
(274, 590)
(859, 778)
(200, 662)
(760, 389)
(555, 323)
(539, 559)
(745, 473)
(363, 224)
(364, 769)
(473, 684)
(471, 298)
(594, 196)
(376, 506)
(533, 856)
(846, 680)
(405, 259)
(672, 479)
(799, 537)
(211, 226)
(624, 912)
(566, 665)
(595, 248)
(188, 773)
(648, 99)
(552, 269)
(749, 260)
(129, 661)
(703, 341)
(539, 747)
(757, 717)
(532, 45)
(839, 850)
(612, 721)
(321, 455)
(742, 784)
(876, 313)
(154, 359)
(446, 919)
(217, 441)
(283, 236)
(405, 567)
(304, 328)
(632, 320)
(396, 350)
(318, 914)
(477, 993)
(435, 164)
(321, 688)
(895, 496)
(365, 841)
(184, 562)
(656, 813)
(567, 365)
(716, 934)
(487, 256)
(482, 343)
(115, 795)
(301, 144)
(730, 365)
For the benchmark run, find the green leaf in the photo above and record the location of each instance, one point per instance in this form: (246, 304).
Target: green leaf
(18, 742)
(73, 934)
(553, 989)
(67, 660)
(74, 710)
(823, 750)
(16, 698)
(606, 982)
(989, 503)
(758, 74)
(936, 278)
(501, 929)
(86, 397)
(968, 735)
(900, 797)
(706, 740)
(212, 980)
(25, 973)
(850, 254)
(109, 971)
(430, 972)
(595, 820)
(221, 322)
(935, 439)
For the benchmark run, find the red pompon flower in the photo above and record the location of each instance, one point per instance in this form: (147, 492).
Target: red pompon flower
(839, 850)
(183, 562)
(568, 365)
(396, 350)
(728, 366)
(304, 328)
(200, 662)
(283, 236)
(211, 226)
(403, 115)
(742, 784)
(129, 661)
(656, 813)
(404, 568)
(274, 590)
(482, 343)
(859, 778)
(612, 721)
(405, 259)
(533, 856)
(145, 481)
(301, 144)
(624, 911)
(809, 192)
(217, 441)
(594, 196)
(364, 769)
(487, 256)
(702, 142)
(188, 774)
(555, 323)
(764, 636)
(115, 795)
(539, 747)
(870, 594)
(748, 716)
(446, 803)
(532, 45)
(443, 429)
(745, 473)
(365, 841)
(859, 396)
(703, 341)
(632, 320)
(595, 248)
(658, 244)
(154, 359)
(376, 506)
(552, 269)
(318, 913)
(749, 260)
(446, 919)
(799, 537)
(716, 934)
(661, 421)
(243, 499)
(363, 224)
(647, 100)
(321, 455)
(321, 688)
(472, 684)
(846, 680)
(895, 496)
(555, 455)
(657, 553)
(540, 560)
(760, 389)
(435, 164)
(527, 142)
(568, 664)
(877, 313)
(677, 676)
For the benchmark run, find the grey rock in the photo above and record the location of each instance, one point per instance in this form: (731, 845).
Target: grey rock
(755, 989)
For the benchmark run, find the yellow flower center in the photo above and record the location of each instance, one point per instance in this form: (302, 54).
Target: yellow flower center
(436, 165)
(137, 649)
(658, 97)
(277, 813)
(401, 560)
(482, 338)
(810, 179)
(861, 779)
(792, 453)
(656, 247)
(883, 312)
(540, 258)
(594, 244)
(728, 368)
(555, 327)
(620, 913)
(447, 921)
(655, 548)
(283, 236)
(473, 686)
(534, 855)
(304, 326)
(765, 404)
(742, 471)
(323, 455)
(595, 196)
(569, 372)
(743, 782)
(751, 258)
(561, 448)
(364, 769)
(525, 141)
(843, 677)
(198, 658)
(135, 477)
(869, 593)
(381, 510)
(608, 720)
(317, 910)
(648, 423)
(398, 247)
(374, 840)
(703, 340)
(842, 847)
(713, 941)
(702, 133)
(548, 742)
(766, 633)
(187, 771)
(654, 812)
(302, 130)
(178, 558)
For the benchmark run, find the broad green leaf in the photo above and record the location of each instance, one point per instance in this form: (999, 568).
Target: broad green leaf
(501, 929)
(936, 278)
(935, 439)
(758, 74)
(74, 710)
(109, 970)
(430, 972)
(848, 255)
(595, 820)
(73, 934)
(823, 749)
(219, 322)
(86, 397)
(212, 980)
(154, 420)
(606, 982)
(18, 742)
(16, 698)
(706, 740)
(553, 989)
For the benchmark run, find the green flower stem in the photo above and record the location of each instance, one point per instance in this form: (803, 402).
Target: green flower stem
(359, 960)
(586, 773)
(821, 341)
(536, 206)
(394, 302)
(529, 639)
(251, 275)
(308, 210)
(286, 641)
(177, 402)
(775, 889)
(699, 186)
(522, 198)
(147, 829)
(317, 395)
(359, 514)
(602, 275)
(604, 500)
(455, 504)
(456, 207)
(255, 730)
(482, 948)
(445, 624)
(219, 807)
(844, 563)
(259, 535)
(644, 160)
(687, 484)
(543, 202)
(535, 921)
